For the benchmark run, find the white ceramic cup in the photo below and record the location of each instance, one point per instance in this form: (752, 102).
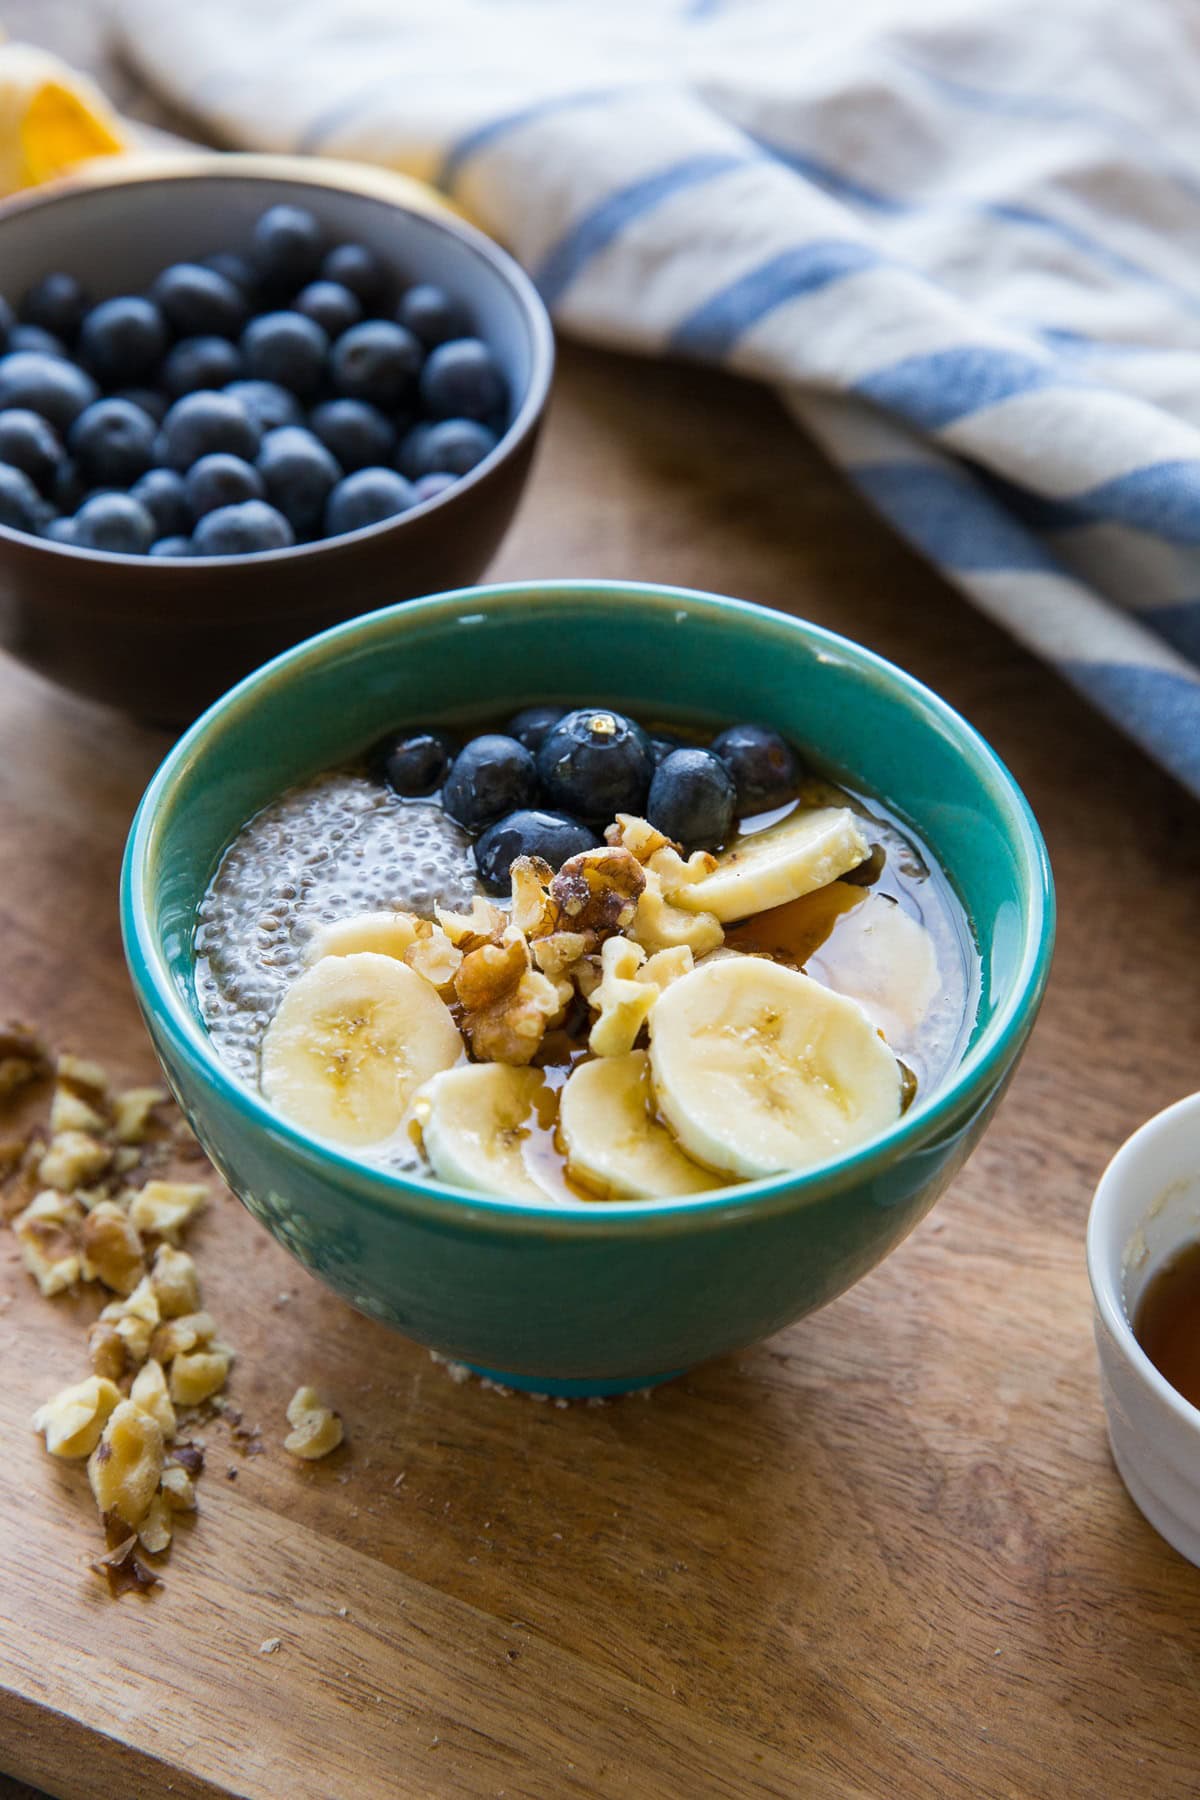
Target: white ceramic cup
(1147, 1207)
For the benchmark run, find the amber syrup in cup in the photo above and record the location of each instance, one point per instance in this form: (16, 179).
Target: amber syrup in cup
(1167, 1325)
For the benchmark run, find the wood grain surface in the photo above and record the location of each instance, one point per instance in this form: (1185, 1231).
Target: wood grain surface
(883, 1554)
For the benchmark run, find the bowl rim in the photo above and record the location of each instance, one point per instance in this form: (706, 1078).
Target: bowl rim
(351, 178)
(1105, 1259)
(979, 1072)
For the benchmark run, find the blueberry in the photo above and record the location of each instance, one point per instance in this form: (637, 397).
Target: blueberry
(410, 457)
(57, 303)
(450, 447)
(28, 443)
(300, 475)
(200, 362)
(531, 724)
(359, 269)
(268, 404)
(377, 362)
(286, 248)
(60, 531)
(431, 315)
(123, 340)
(7, 321)
(595, 763)
(39, 342)
(198, 302)
(461, 380)
(287, 348)
(221, 480)
(162, 493)
(490, 778)
(203, 422)
(428, 487)
(151, 400)
(112, 442)
(68, 488)
(367, 498)
(692, 799)
(57, 390)
(764, 766)
(662, 747)
(21, 506)
(554, 837)
(413, 763)
(242, 531)
(114, 522)
(234, 268)
(355, 432)
(333, 306)
(172, 546)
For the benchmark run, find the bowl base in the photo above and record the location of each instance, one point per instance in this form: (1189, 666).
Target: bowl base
(584, 1388)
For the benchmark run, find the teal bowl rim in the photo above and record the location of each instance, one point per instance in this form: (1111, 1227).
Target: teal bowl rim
(981, 1069)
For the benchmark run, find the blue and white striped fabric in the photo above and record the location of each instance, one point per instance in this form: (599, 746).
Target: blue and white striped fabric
(961, 236)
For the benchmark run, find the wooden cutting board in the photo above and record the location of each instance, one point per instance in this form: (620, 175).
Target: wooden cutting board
(885, 1553)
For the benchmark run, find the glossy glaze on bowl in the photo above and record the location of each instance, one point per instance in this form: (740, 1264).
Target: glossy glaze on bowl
(162, 638)
(624, 1291)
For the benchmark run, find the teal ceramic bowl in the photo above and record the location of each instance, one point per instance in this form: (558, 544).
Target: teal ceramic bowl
(608, 1295)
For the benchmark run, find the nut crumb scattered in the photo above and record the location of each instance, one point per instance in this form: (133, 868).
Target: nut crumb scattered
(316, 1427)
(269, 1646)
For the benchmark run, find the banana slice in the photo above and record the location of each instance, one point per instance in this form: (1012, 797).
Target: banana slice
(758, 1069)
(767, 868)
(353, 1039)
(478, 1123)
(386, 933)
(886, 960)
(614, 1143)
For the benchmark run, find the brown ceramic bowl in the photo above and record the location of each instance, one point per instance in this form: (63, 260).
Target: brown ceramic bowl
(161, 638)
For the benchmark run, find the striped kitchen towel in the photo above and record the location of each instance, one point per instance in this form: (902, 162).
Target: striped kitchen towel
(962, 237)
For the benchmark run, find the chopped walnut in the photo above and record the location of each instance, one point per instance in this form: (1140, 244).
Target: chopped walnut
(134, 1320)
(661, 926)
(507, 1005)
(433, 955)
(638, 836)
(80, 1073)
(533, 911)
(316, 1427)
(72, 1159)
(164, 1208)
(69, 1111)
(132, 1112)
(126, 1158)
(199, 1374)
(112, 1248)
(185, 1332)
(154, 1532)
(106, 1350)
(559, 954)
(484, 924)
(23, 1058)
(72, 1421)
(149, 1391)
(629, 986)
(21, 1174)
(125, 1466)
(178, 1488)
(175, 1282)
(597, 893)
(48, 1233)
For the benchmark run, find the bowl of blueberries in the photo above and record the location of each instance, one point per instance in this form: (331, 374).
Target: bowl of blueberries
(239, 402)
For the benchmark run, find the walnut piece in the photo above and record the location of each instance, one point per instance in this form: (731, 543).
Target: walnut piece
(69, 1111)
(178, 1489)
(199, 1374)
(112, 1249)
(597, 892)
(106, 1350)
(72, 1159)
(134, 1320)
(507, 1005)
(154, 1532)
(658, 925)
(164, 1208)
(72, 1421)
(630, 984)
(316, 1427)
(80, 1073)
(182, 1334)
(533, 911)
(483, 924)
(433, 955)
(132, 1112)
(149, 1391)
(48, 1233)
(125, 1466)
(175, 1282)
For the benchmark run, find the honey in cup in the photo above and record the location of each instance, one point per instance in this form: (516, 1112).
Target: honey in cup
(354, 945)
(1167, 1324)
